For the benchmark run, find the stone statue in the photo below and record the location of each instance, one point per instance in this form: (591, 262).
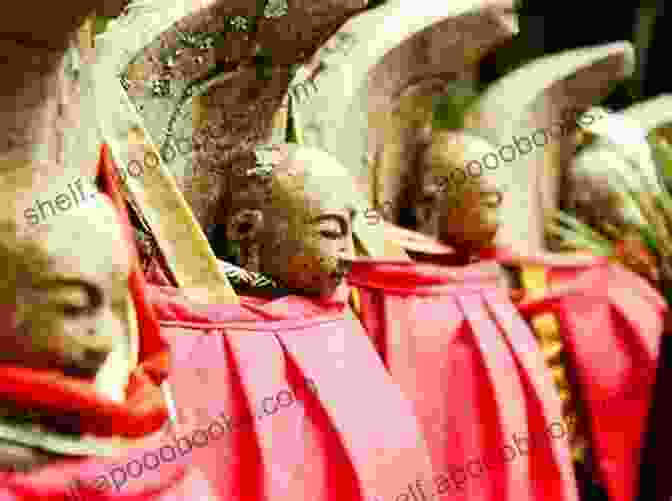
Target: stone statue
(618, 186)
(600, 172)
(519, 168)
(82, 361)
(70, 313)
(64, 319)
(508, 152)
(179, 58)
(290, 218)
(294, 223)
(218, 98)
(464, 217)
(358, 88)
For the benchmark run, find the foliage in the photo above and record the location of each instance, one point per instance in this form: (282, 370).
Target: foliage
(450, 108)
(646, 246)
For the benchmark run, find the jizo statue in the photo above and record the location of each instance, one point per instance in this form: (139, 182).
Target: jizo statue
(520, 136)
(65, 311)
(505, 161)
(623, 152)
(294, 221)
(291, 218)
(70, 307)
(82, 360)
(357, 89)
(463, 215)
(600, 171)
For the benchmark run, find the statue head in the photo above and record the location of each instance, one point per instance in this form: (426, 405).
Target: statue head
(455, 199)
(64, 281)
(619, 152)
(293, 221)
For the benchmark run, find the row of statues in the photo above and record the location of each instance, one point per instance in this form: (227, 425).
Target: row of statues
(445, 345)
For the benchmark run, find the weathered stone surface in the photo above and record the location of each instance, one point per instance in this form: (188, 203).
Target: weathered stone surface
(402, 87)
(43, 94)
(237, 109)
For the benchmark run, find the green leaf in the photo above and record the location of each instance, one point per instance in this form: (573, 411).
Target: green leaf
(649, 238)
(662, 154)
(100, 24)
(449, 109)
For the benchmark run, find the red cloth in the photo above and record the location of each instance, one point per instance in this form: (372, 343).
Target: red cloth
(349, 435)
(457, 346)
(611, 321)
(94, 480)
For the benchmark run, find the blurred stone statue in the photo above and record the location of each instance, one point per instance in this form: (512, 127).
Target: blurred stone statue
(82, 362)
(520, 135)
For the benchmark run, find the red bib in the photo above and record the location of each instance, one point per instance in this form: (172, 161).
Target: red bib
(611, 321)
(292, 401)
(455, 343)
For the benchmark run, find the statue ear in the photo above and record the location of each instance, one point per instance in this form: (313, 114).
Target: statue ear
(245, 225)
(244, 228)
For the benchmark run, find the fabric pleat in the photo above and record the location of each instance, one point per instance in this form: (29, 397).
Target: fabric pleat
(455, 343)
(348, 433)
(611, 322)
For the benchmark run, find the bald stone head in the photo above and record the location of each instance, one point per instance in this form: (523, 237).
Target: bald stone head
(294, 223)
(454, 199)
(64, 281)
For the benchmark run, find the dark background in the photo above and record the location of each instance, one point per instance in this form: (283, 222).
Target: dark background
(548, 26)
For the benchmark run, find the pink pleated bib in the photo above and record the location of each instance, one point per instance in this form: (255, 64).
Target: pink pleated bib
(611, 321)
(294, 401)
(458, 347)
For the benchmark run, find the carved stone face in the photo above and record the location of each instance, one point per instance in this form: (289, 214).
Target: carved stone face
(452, 203)
(64, 282)
(295, 224)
